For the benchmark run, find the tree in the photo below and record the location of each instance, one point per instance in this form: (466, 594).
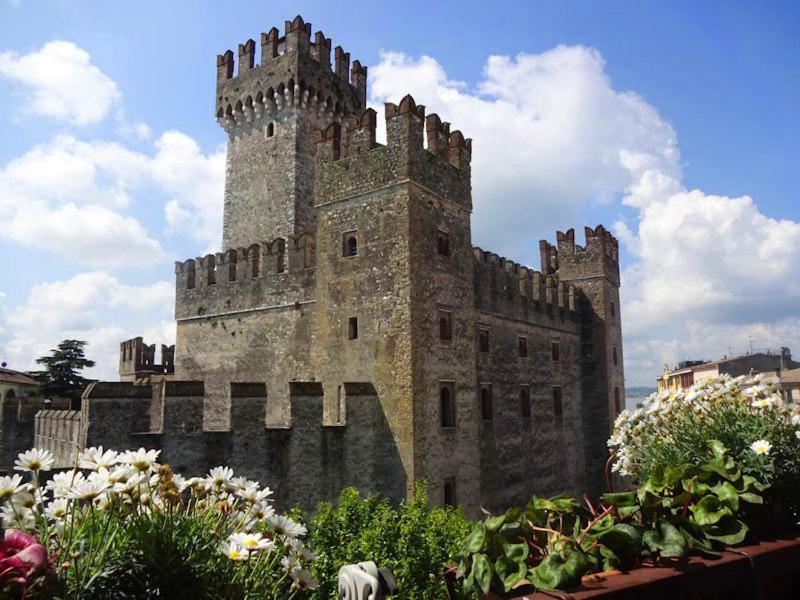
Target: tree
(61, 377)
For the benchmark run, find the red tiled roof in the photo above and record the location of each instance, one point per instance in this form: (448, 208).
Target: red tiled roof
(15, 377)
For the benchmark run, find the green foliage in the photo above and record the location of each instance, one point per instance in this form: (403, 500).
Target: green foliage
(61, 377)
(414, 541)
(552, 543)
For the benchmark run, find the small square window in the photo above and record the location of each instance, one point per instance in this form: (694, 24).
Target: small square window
(525, 402)
(447, 404)
(450, 492)
(352, 328)
(483, 340)
(350, 244)
(445, 325)
(486, 401)
(558, 409)
(442, 243)
(555, 351)
(522, 344)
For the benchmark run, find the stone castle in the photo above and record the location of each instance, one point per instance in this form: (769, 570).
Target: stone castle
(349, 333)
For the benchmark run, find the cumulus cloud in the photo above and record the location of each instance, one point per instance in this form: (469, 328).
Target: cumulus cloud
(196, 182)
(553, 138)
(68, 308)
(69, 197)
(550, 136)
(63, 83)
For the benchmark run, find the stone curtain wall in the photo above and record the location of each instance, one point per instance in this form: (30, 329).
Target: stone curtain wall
(303, 460)
(60, 432)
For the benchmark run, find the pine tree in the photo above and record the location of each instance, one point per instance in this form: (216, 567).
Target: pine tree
(61, 377)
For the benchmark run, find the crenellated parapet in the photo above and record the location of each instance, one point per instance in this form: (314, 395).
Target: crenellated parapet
(512, 290)
(263, 274)
(307, 460)
(350, 161)
(599, 257)
(137, 360)
(293, 71)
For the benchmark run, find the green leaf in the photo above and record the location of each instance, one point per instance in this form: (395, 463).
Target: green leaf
(727, 494)
(517, 552)
(623, 540)
(729, 531)
(709, 510)
(509, 572)
(493, 524)
(483, 572)
(550, 574)
(665, 540)
(751, 498)
(476, 538)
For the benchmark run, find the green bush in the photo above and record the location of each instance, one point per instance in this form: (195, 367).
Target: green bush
(414, 541)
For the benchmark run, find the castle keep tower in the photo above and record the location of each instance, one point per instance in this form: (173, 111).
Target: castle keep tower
(348, 333)
(270, 110)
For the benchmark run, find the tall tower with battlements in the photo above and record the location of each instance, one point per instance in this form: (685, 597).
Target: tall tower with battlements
(270, 109)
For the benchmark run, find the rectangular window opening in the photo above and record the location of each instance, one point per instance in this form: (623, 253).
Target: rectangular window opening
(522, 343)
(555, 351)
(445, 325)
(352, 328)
(525, 401)
(558, 409)
(447, 404)
(449, 495)
(486, 401)
(483, 340)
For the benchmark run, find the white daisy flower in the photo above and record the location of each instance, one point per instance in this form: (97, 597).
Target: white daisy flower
(88, 490)
(303, 579)
(252, 493)
(57, 509)
(10, 485)
(286, 527)
(763, 402)
(219, 478)
(17, 517)
(761, 447)
(61, 483)
(252, 542)
(95, 458)
(234, 551)
(34, 460)
(289, 562)
(142, 460)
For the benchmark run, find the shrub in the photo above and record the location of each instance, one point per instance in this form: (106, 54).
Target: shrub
(123, 526)
(746, 416)
(413, 540)
(552, 543)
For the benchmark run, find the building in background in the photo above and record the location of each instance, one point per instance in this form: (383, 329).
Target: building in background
(790, 382)
(690, 372)
(15, 384)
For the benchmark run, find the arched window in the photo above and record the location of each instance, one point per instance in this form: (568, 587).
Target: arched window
(486, 401)
(232, 258)
(443, 243)
(350, 245)
(445, 325)
(191, 275)
(352, 328)
(281, 256)
(447, 411)
(255, 260)
(449, 491)
(270, 130)
(525, 402)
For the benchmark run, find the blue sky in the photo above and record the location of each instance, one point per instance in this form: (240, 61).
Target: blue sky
(655, 118)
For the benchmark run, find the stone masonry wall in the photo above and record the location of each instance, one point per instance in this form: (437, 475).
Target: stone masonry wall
(302, 460)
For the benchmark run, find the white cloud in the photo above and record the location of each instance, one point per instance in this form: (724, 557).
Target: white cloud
(68, 196)
(63, 82)
(552, 137)
(197, 183)
(89, 306)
